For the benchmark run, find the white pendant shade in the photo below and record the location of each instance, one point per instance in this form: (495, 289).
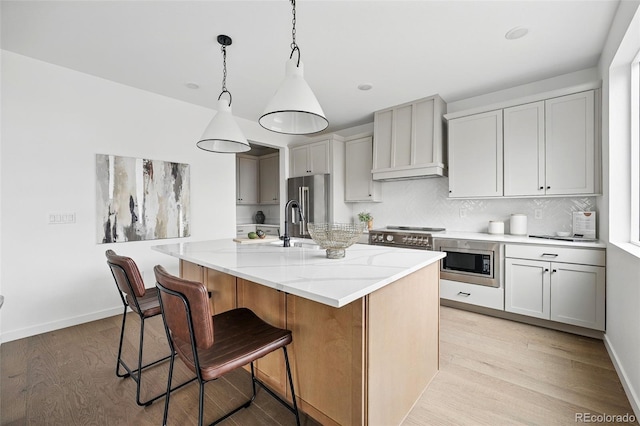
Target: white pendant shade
(294, 108)
(223, 133)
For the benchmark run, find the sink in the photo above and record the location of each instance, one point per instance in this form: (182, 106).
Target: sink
(299, 242)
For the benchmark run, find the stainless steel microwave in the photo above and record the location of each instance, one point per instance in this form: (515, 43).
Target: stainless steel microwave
(469, 261)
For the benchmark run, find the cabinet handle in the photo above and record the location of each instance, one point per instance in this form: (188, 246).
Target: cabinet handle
(462, 293)
(542, 187)
(555, 270)
(548, 187)
(549, 255)
(546, 270)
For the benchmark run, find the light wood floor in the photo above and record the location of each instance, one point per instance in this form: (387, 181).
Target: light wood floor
(492, 372)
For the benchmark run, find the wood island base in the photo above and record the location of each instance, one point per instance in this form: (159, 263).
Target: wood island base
(366, 363)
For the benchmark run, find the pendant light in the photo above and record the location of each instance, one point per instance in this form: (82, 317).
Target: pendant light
(223, 133)
(294, 108)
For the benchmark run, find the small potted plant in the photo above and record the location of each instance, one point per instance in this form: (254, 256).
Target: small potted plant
(366, 217)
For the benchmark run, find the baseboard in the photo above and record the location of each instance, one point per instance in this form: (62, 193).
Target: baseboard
(633, 398)
(56, 325)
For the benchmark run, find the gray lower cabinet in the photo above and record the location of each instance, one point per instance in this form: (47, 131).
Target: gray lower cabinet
(560, 284)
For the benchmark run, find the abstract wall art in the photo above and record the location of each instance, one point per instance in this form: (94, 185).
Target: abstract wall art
(140, 199)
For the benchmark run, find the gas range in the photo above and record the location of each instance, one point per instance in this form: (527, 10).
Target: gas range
(404, 236)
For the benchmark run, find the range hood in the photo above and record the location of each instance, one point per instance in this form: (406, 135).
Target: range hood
(409, 140)
(423, 171)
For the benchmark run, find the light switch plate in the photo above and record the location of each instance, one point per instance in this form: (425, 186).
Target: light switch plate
(61, 218)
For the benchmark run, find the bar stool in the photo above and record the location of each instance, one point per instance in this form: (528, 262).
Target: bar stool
(143, 302)
(213, 346)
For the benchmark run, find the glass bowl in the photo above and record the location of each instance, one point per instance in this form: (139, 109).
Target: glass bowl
(336, 237)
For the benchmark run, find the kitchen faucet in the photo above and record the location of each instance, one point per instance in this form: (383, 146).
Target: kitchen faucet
(291, 204)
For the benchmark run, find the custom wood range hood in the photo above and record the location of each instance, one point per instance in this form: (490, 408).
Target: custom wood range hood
(409, 140)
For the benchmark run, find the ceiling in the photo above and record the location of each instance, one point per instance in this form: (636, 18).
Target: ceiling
(405, 49)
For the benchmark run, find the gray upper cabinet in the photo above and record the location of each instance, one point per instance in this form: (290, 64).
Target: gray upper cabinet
(270, 179)
(359, 183)
(524, 150)
(246, 179)
(310, 159)
(475, 155)
(549, 147)
(570, 144)
(408, 140)
(544, 148)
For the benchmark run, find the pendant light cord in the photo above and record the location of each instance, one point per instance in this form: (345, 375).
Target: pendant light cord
(294, 45)
(224, 74)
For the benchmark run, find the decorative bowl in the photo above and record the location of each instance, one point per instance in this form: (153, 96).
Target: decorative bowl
(336, 237)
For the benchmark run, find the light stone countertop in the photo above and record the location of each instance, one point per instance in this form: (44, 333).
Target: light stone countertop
(515, 239)
(306, 272)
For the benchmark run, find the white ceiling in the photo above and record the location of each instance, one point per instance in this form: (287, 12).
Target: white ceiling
(405, 49)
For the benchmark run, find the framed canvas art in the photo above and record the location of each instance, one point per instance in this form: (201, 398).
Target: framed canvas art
(140, 199)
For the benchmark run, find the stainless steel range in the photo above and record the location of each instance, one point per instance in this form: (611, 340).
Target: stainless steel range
(404, 236)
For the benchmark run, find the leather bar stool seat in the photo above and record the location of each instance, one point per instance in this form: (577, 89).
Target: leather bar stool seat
(212, 346)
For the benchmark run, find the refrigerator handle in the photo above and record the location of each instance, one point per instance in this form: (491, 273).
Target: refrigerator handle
(304, 202)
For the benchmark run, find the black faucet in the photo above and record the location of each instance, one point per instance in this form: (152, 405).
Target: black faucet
(291, 204)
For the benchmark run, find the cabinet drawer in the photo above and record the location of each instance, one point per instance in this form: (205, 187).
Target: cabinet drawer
(243, 230)
(556, 254)
(489, 297)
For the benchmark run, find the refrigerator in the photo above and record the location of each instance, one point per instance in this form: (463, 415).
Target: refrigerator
(312, 193)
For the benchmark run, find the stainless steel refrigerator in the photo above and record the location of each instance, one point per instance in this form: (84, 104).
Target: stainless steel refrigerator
(312, 192)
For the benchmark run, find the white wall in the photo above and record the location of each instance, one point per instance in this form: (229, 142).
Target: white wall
(623, 260)
(54, 122)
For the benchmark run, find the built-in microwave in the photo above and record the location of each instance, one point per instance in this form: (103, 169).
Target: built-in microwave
(469, 261)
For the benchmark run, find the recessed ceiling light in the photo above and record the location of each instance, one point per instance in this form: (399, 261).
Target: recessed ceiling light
(516, 33)
(365, 86)
(192, 85)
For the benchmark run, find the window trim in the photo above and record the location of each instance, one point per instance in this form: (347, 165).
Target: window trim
(634, 234)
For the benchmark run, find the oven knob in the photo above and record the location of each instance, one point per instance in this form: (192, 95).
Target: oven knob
(404, 239)
(389, 238)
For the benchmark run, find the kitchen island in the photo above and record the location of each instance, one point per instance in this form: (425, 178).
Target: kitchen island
(365, 327)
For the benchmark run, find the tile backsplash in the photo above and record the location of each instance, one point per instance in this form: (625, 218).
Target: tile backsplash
(425, 202)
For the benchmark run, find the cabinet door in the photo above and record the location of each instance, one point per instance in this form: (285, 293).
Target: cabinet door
(578, 295)
(246, 180)
(359, 184)
(318, 159)
(383, 134)
(475, 155)
(221, 286)
(243, 230)
(524, 151)
(570, 144)
(270, 179)
(312, 159)
(527, 285)
(299, 166)
(270, 306)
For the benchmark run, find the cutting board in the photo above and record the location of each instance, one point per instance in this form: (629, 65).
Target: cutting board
(255, 240)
